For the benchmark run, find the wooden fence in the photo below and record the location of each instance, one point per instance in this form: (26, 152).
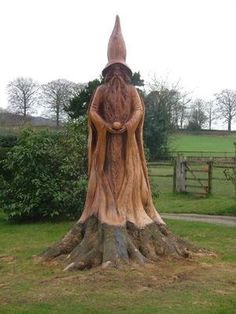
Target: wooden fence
(197, 176)
(201, 154)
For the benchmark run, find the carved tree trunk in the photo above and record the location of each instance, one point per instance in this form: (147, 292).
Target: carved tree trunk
(119, 223)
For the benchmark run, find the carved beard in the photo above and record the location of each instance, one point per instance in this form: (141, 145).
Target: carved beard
(117, 106)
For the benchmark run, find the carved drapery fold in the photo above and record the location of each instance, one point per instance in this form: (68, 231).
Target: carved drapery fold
(118, 188)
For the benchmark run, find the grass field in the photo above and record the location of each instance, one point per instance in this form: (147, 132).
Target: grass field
(203, 143)
(221, 202)
(199, 285)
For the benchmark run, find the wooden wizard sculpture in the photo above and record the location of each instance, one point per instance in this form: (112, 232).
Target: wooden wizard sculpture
(119, 223)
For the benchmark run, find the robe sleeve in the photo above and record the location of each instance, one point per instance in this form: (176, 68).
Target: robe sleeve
(94, 114)
(137, 114)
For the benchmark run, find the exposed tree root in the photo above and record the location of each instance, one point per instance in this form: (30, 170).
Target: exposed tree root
(93, 243)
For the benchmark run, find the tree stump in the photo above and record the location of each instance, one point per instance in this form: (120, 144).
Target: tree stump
(92, 244)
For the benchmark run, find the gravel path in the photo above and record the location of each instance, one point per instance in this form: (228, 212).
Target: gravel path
(222, 220)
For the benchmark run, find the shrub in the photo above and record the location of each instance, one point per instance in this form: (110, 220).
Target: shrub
(48, 174)
(7, 141)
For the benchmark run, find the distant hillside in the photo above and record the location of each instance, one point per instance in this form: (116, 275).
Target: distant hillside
(12, 119)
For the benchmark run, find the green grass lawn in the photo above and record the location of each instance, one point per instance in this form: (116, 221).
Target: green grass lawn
(214, 205)
(214, 143)
(221, 202)
(199, 285)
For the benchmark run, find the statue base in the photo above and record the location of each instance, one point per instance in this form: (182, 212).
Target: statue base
(92, 244)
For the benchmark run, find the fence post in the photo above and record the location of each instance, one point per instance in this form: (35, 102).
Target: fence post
(210, 170)
(174, 176)
(180, 174)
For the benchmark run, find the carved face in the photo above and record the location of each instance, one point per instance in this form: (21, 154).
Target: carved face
(117, 70)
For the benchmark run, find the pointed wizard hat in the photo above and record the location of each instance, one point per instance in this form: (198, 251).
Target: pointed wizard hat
(116, 50)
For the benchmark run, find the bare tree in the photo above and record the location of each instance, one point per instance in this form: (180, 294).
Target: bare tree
(174, 99)
(180, 109)
(56, 95)
(197, 117)
(210, 112)
(22, 95)
(226, 105)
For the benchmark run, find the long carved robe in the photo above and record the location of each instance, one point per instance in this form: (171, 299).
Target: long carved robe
(118, 187)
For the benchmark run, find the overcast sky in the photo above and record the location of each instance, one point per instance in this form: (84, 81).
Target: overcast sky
(187, 40)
